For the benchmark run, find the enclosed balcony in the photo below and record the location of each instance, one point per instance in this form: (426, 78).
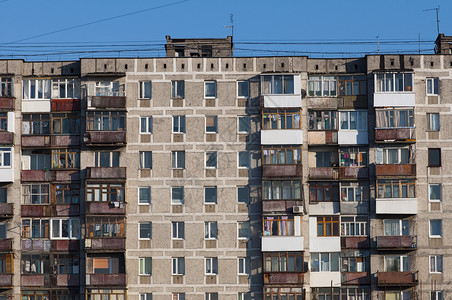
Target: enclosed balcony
(105, 270)
(408, 206)
(280, 91)
(282, 171)
(282, 243)
(400, 99)
(281, 127)
(282, 196)
(283, 278)
(355, 242)
(59, 105)
(396, 279)
(105, 234)
(355, 278)
(395, 135)
(6, 138)
(396, 196)
(395, 170)
(106, 173)
(403, 242)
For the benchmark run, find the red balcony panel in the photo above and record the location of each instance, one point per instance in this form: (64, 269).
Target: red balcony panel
(6, 280)
(282, 171)
(323, 173)
(32, 280)
(106, 137)
(65, 175)
(65, 104)
(396, 278)
(35, 210)
(355, 278)
(35, 141)
(396, 170)
(6, 138)
(35, 245)
(283, 278)
(108, 244)
(106, 173)
(6, 209)
(68, 280)
(64, 210)
(397, 134)
(396, 242)
(355, 242)
(330, 137)
(65, 140)
(353, 172)
(108, 101)
(282, 206)
(7, 103)
(65, 245)
(6, 244)
(106, 279)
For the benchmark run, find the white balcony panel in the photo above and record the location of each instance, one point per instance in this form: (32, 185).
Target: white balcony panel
(394, 99)
(35, 106)
(7, 174)
(11, 121)
(324, 208)
(322, 244)
(282, 137)
(281, 101)
(396, 206)
(282, 243)
(323, 279)
(352, 137)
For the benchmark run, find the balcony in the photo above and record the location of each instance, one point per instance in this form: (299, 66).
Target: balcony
(108, 101)
(406, 206)
(281, 101)
(354, 207)
(36, 210)
(106, 173)
(65, 245)
(6, 138)
(354, 242)
(105, 244)
(64, 141)
(395, 134)
(403, 242)
(65, 210)
(6, 210)
(67, 280)
(65, 105)
(352, 137)
(282, 171)
(324, 173)
(106, 279)
(105, 208)
(6, 245)
(7, 103)
(35, 280)
(355, 278)
(35, 141)
(282, 137)
(396, 279)
(352, 101)
(6, 280)
(280, 205)
(283, 278)
(105, 138)
(353, 173)
(322, 137)
(395, 99)
(66, 175)
(395, 170)
(282, 243)
(35, 245)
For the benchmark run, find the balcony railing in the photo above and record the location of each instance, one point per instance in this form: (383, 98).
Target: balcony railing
(324, 173)
(105, 244)
(106, 173)
(37, 175)
(65, 245)
(280, 205)
(355, 278)
(36, 210)
(282, 170)
(64, 141)
(35, 141)
(403, 242)
(395, 134)
(6, 280)
(396, 278)
(105, 208)
(106, 279)
(395, 170)
(6, 245)
(67, 280)
(108, 101)
(7, 103)
(354, 242)
(65, 105)
(283, 278)
(353, 173)
(322, 137)
(101, 138)
(6, 209)
(6, 138)
(36, 245)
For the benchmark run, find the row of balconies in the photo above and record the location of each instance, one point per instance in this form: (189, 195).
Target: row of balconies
(49, 210)
(353, 173)
(62, 280)
(46, 245)
(93, 173)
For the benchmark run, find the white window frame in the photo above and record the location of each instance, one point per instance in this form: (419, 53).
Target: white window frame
(430, 229)
(385, 89)
(318, 83)
(145, 296)
(248, 155)
(440, 193)
(58, 84)
(247, 83)
(359, 119)
(175, 88)
(208, 82)
(383, 160)
(216, 194)
(6, 152)
(142, 266)
(401, 264)
(45, 84)
(430, 122)
(363, 192)
(178, 296)
(244, 264)
(175, 155)
(177, 230)
(268, 86)
(207, 156)
(244, 296)
(150, 231)
(209, 232)
(330, 255)
(436, 295)
(143, 87)
(432, 86)
(148, 125)
(247, 237)
(73, 226)
(183, 195)
(436, 264)
(107, 88)
(139, 195)
(357, 227)
(212, 264)
(175, 266)
(178, 128)
(143, 160)
(402, 224)
(247, 120)
(211, 296)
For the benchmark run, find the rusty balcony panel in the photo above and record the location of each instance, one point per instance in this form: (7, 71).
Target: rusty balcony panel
(318, 103)
(65, 210)
(323, 173)
(36, 210)
(35, 141)
(65, 245)
(108, 244)
(65, 141)
(37, 175)
(6, 245)
(65, 104)
(106, 173)
(280, 206)
(352, 101)
(38, 280)
(68, 280)
(106, 137)
(7, 103)
(355, 278)
(325, 137)
(395, 170)
(35, 245)
(106, 279)
(355, 242)
(105, 208)
(282, 170)
(108, 101)
(6, 280)
(346, 173)
(396, 242)
(66, 175)
(283, 278)
(6, 209)
(6, 138)
(395, 134)
(396, 278)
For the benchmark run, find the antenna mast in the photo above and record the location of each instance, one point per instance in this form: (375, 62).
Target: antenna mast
(437, 16)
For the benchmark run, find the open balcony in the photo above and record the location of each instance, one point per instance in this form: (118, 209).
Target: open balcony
(395, 170)
(106, 173)
(282, 171)
(396, 279)
(35, 280)
(395, 135)
(355, 242)
(106, 279)
(42, 245)
(67, 280)
(105, 244)
(37, 175)
(58, 105)
(355, 278)
(6, 138)
(402, 242)
(353, 173)
(283, 278)
(105, 208)
(105, 138)
(107, 101)
(6, 280)
(6, 210)
(322, 137)
(35, 141)
(324, 173)
(7, 103)
(391, 206)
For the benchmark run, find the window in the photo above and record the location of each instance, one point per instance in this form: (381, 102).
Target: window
(436, 295)
(210, 89)
(325, 262)
(243, 230)
(292, 293)
(65, 159)
(106, 159)
(396, 188)
(352, 85)
(67, 264)
(4, 195)
(210, 230)
(322, 86)
(354, 226)
(393, 82)
(436, 228)
(65, 123)
(145, 89)
(434, 157)
(243, 89)
(66, 89)
(38, 160)
(243, 194)
(351, 191)
(321, 192)
(5, 157)
(3, 121)
(177, 195)
(178, 296)
(244, 265)
(145, 159)
(322, 120)
(283, 261)
(436, 263)
(278, 226)
(178, 266)
(105, 265)
(244, 124)
(36, 89)
(36, 124)
(109, 192)
(146, 125)
(247, 296)
(146, 230)
(433, 121)
(396, 227)
(323, 159)
(146, 296)
(211, 124)
(327, 226)
(396, 263)
(394, 118)
(353, 157)
(211, 296)
(282, 190)
(281, 119)
(434, 192)
(35, 193)
(356, 263)
(6, 87)
(177, 89)
(211, 159)
(145, 266)
(432, 86)
(35, 228)
(6, 263)
(35, 264)
(392, 155)
(206, 51)
(109, 88)
(353, 120)
(105, 227)
(211, 266)
(32, 295)
(144, 195)
(179, 124)
(178, 230)
(210, 195)
(67, 193)
(244, 159)
(277, 84)
(397, 295)
(66, 229)
(279, 155)
(106, 120)
(178, 159)
(107, 294)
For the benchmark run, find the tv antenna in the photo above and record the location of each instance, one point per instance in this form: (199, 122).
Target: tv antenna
(231, 26)
(437, 16)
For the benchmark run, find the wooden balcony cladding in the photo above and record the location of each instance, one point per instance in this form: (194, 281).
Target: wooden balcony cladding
(280, 205)
(353, 102)
(65, 105)
(109, 244)
(282, 170)
(36, 210)
(64, 141)
(108, 101)
(105, 137)
(395, 134)
(6, 209)
(396, 242)
(67, 280)
(6, 245)
(346, 173)
(106, 173)
(65, 210)
(355, 242)
(106, 279)
(65, 245)
(322, 137)
(355, 278)
(396, 279)
(6, 138)
(35, 141)
(105, 208)
(35, 245)
(283, 278)
(38, 280)
(395, 170)
(323, 173)
(7, 103)
(6, 280)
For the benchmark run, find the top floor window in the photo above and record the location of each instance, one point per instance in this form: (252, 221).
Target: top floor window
(322, 86)
(66, 89)
(393, 82)
(281, 119)
(6, 87)
(36, 89)
(394, 118)
(352, 85)
(145, 89)
(277, 84)
(178, 89)
(109, 88)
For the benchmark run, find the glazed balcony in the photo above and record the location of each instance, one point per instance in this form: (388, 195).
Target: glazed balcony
(35, 141)
(402, 242)
(106, 173)
(105, 244)
(355, 278)
(282, 243)
(353, 173)
(283, 278)
(107, 101)
(396, 279)
(395, 170)
(105, 138)
(395, 134)
(6, 210)
(105, 208)
(6, 280)
(404, 206)
(58, 105)
(6, 138)
(282, 171)
(6, 245)
(281, 101)
(396, 99)
(324, 173)
(280, 205)
(354, 242)
(322, 137)
(7, 103)
(106, 279)
(281, 137)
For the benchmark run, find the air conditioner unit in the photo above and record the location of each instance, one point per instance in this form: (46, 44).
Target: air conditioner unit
(297, 209)
(87, 243)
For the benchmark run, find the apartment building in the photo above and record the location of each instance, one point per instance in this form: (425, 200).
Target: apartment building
(206, 176)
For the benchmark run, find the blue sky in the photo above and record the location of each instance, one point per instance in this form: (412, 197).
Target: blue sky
(255, 21)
